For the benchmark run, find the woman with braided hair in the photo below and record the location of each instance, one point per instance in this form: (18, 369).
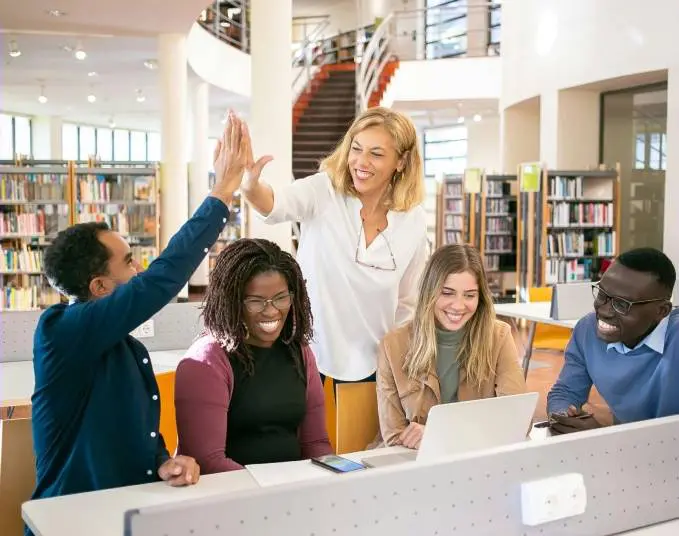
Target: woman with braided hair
(248, 390)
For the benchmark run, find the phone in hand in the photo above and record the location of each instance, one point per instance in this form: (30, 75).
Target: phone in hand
(337, 464)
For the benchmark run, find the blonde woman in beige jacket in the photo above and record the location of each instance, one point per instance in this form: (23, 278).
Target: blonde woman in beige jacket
(454, 349)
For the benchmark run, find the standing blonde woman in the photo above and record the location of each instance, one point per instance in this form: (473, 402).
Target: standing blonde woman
(364, 238)
(453, 350)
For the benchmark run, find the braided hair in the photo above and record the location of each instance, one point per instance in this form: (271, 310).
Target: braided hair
(224, 305)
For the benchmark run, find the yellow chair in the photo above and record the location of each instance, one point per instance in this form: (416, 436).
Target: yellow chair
(548, 337)
(17, 473)
(357, 421)
(330, 412)
(168, 422)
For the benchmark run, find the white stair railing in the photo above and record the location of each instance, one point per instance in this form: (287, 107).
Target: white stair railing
(375, 56)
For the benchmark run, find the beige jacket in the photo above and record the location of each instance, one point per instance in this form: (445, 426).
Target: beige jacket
(400, 399)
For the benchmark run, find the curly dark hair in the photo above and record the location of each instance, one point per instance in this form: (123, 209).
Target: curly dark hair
(223, 307)
(75, 257)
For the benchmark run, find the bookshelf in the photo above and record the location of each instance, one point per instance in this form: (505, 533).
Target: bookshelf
(452, 228)
(568, 228)
(580, 227)
(233, 229)
(498, 234)
(35, 204)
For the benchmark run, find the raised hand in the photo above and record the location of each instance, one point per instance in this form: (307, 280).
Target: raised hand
(231, 158)
(253, 169)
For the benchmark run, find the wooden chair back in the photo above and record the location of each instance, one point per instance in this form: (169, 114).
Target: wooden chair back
(548, 337)
(168, 421)
(357, 420)
(17, 473)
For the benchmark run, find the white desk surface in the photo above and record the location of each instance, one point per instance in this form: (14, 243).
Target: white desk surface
(534, 312)
(17, 381)
(102, 512)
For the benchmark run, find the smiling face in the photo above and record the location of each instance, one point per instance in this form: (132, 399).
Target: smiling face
(631, 328)
(121, 265)
(265, 320)
(373, 160)
(457, 301)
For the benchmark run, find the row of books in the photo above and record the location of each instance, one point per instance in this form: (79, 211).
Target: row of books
(452, 237)
(499, 225)
(568, 270)
(492, 263)
(144, 255)
(118, 188)
(123, 219)
(33, 296)
(564, 214)
(20, 260)
(33, 187)
(497, 205)
(454, 205)
(30, 221)
(498, 188)
(580, 244)
(499, 243)
(565, 187)
(453, 189)
(453, 222)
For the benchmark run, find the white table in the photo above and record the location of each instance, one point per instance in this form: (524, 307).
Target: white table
(102, 512)
(535, 313)
(17, 381)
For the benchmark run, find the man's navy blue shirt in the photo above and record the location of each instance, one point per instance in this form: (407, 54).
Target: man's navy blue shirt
(96, 407)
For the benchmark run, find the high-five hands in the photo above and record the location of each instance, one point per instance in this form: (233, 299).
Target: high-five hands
(253, 169)
(231, 158)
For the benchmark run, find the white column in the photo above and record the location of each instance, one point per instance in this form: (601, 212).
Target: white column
(520, 135)
(420, 29)
(271, 115)
(174, 137)
(47, 138)
(199, 166)
(477, 28)
(671, 223)
(569, 129)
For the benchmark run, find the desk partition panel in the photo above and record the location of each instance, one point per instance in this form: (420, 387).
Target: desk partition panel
(174, 328)
(630, 473)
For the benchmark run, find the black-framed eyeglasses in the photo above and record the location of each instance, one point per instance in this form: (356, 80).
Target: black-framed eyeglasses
(368, 265)
(257, 305)
(620, 305)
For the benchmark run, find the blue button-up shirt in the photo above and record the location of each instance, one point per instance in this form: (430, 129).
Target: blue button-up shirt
(96, 408)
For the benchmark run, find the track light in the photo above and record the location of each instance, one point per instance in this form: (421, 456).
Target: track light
(14, 51)
(140, 96)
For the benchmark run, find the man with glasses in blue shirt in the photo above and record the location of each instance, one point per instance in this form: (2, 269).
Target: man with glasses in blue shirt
(628, 348)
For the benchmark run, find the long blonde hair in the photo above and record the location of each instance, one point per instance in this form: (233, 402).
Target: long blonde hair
(407, 186)
(476, 348)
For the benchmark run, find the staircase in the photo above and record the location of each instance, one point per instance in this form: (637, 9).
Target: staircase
(322, 117)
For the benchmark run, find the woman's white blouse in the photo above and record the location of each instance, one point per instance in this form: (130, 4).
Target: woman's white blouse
(353, 305)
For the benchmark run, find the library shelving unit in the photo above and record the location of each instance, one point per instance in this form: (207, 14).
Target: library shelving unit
(568, 228)
(498, 234)
(233, 229)
(126, 197)
(451, 228)
(35, 204)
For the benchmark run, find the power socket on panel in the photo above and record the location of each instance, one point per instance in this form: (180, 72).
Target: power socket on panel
(554, 498)
(144, 331)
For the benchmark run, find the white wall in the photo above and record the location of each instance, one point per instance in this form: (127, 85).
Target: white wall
(448, 79)
(561, 44)
(483, 144)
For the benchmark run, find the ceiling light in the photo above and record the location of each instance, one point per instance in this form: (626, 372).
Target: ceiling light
(14, 49)
(80, 54)
(477, 118)
(92, 73)
(151, 64)
(111, 124)
(460, 120)
(42, 99)
(232, 12)
(140, 96)
(91, 98)
(57, 13)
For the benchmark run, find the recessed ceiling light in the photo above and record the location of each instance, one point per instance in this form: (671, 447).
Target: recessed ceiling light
(477, 117)
(91, 98)
(57, 13)
(140, 96)
(80, 54)
(14, 51)
(92, 73)
(460, 120)
(151, 64)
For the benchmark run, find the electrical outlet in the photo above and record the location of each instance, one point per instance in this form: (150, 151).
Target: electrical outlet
(144, 331)
(554, 498)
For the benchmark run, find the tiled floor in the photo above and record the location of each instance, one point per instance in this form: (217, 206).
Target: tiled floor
(544, 372)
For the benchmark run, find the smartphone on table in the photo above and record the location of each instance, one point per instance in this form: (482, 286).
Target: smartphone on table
(337, 464)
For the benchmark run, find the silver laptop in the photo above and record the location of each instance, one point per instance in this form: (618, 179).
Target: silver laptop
(462, 427)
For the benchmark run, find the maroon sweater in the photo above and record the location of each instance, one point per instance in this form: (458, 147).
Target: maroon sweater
(204, 387)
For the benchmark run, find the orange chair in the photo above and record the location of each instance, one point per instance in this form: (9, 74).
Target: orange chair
(357, 420)
(548, 337)
(330, 413)
(168, 422)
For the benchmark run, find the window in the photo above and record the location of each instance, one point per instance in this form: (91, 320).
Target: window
(446, 28)
(154, 147)
(6, 137)
(138, 146)
(121, 145)
(22, 136)
(69, 141)
(87, 143)
(445, 150)
(105, 144)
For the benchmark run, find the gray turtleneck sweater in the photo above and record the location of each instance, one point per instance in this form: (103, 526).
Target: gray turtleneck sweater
(447, 346)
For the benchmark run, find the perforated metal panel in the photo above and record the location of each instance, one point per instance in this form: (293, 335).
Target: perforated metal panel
(631, 474)
(16, 335)
(175, 327)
